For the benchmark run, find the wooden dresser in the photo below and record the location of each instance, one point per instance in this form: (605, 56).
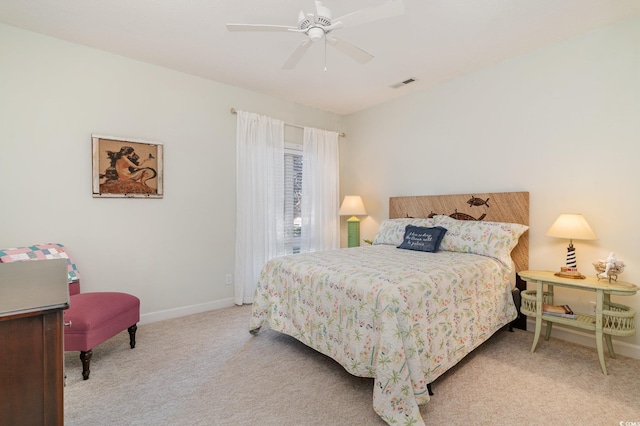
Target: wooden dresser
(33, 296)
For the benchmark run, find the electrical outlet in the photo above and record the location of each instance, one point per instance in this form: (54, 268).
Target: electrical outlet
(592, 308)
(227, 279)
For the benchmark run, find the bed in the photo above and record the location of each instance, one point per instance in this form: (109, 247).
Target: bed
(403, 316)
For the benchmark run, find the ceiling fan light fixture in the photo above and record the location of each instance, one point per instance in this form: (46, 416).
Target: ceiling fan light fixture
(316, 33)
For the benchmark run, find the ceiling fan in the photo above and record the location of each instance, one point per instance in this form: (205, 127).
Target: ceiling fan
(318, 26)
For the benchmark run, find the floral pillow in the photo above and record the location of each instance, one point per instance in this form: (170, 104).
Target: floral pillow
(391, 231)
(493, 239)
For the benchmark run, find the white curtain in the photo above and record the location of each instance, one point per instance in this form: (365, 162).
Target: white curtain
(259, 199)
(320, 191)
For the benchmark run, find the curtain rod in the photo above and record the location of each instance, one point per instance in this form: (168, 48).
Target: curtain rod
(234, 111)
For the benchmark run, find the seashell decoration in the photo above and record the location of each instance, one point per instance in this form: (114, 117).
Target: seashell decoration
(609, 268)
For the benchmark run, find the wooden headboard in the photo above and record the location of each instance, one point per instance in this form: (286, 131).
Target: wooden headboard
(512, 207)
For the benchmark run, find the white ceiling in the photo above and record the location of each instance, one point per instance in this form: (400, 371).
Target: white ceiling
(435, 40)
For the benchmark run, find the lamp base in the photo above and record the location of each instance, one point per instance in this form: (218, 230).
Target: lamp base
(569, 272)
(353, 232)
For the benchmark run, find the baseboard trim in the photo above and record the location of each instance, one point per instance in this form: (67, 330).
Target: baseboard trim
(586, 339)
(185, 310)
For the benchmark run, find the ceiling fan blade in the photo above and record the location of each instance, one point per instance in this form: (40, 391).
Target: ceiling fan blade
(297, 54)
(258, 27)
(350, 50)
(362, 16)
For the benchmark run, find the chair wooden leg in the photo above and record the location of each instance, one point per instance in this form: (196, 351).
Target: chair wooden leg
(85, 357)
(132, 335)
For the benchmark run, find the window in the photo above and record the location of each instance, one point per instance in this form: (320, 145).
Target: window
(292, 197)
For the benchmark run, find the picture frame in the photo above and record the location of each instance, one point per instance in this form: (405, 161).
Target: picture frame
(127, 168)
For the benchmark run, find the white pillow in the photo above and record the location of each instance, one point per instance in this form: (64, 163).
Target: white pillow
(493, 239)
(391, 231)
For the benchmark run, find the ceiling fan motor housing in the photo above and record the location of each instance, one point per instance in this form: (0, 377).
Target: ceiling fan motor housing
(323, 20)
(303, 21)
(323, 15)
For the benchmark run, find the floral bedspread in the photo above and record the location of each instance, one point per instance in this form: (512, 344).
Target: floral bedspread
(402, 317)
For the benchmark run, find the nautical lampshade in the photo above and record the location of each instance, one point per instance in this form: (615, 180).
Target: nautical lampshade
(353, 206)
(571, 226)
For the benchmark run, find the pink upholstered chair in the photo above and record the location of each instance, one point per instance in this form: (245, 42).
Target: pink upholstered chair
(91, 318)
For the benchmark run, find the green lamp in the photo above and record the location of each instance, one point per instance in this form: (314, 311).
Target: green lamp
(352, 206)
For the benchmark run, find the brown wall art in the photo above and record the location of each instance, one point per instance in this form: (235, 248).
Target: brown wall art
(128, 168)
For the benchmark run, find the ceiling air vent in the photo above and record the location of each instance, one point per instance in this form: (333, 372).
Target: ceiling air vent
(402, 83)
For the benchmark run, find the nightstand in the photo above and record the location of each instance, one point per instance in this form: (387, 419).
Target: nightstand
(610, 319)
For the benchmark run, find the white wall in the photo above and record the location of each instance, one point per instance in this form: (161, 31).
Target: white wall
(562, 123)
(173, 252)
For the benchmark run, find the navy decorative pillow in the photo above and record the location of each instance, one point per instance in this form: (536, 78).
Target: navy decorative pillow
(422, 238)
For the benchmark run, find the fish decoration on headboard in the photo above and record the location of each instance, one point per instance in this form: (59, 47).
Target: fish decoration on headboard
(463, 216)
(473, 202)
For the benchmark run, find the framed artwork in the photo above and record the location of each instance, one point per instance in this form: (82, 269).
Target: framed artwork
(128, 168)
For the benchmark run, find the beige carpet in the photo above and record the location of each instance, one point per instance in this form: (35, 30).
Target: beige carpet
(206, 369)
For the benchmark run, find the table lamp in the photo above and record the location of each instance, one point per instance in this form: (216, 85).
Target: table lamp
(571, 226)
(352, 206)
